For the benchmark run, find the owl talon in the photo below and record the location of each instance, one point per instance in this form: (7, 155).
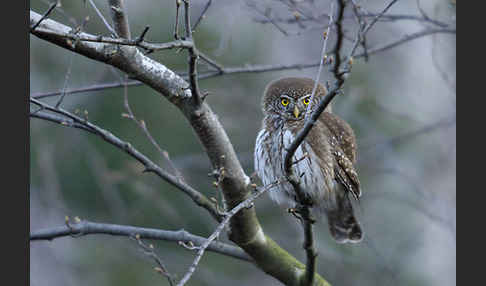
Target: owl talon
(295, 212)
(291, 210)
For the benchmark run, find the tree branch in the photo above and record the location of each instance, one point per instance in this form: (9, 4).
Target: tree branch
(86, 228)
(150, 166)
(248, 203)
(193, 56)
(203, 14)
(46, 14)
(103, 18)
(120, 20)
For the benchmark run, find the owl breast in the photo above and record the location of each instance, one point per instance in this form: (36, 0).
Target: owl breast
(269, 159)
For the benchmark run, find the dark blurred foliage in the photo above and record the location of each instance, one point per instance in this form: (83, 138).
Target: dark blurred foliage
(409, 184)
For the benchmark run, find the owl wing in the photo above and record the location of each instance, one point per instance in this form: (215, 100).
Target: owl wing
(343, 148)
(343, 134)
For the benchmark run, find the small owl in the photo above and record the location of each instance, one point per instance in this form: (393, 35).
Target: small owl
(324, 161)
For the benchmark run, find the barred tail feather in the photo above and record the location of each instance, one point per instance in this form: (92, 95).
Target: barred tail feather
(343, 225)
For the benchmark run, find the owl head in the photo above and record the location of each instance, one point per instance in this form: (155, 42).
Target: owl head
(288, 98)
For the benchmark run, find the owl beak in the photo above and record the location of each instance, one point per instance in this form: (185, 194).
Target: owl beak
(296, 112)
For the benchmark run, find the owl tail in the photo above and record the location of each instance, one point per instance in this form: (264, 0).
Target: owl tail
(343, 225)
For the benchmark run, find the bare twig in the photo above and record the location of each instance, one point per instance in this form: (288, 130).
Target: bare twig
(120, 19)
(323, 18)
(176, 25)
(142, 35)
(422, 12)
(193, 56)
(361, 26)
(410, 37)
(66, 79)
(62, 12)
(150, 166)
(44, 16)
(377, 17)
(143, 126)
(86, 228)
(267, 15)
(150, 252)
(445, 77)
(95, 87)
(443, 123)
(361, 36)
(203, 14)
(211, 62)
(59, 120)
(103, 18)
(323, 59)
(245, 204)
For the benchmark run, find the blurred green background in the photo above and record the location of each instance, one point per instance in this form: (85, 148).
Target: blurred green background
(408, 171)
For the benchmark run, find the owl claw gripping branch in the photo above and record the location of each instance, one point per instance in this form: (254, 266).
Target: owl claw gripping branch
(326, 157)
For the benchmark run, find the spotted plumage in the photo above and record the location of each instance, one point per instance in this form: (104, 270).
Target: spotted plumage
(324, 161)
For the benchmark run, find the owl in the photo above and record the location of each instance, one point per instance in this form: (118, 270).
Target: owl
(324, 162)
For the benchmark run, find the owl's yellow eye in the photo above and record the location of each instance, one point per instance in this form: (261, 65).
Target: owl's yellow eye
(285, 102)
(306, 101)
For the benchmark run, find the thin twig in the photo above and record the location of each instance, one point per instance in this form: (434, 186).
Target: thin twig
(442, 73)
(150, 252)
(66, 79)
(203, 14)
(245, 204)
(95, 87)
(443, 123)
(410, 37)
(44, 16)
(323, 59)
(120, 19)
(142, 35)
(193, 56)
(422, 12)
(361, 26)
(59, 120)
(385, 18)
(62, 12)
(211, 62)
(143, 126)
(200, 199)
(267, 16)
(103, 19)
(176, 25)
(375, 19)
